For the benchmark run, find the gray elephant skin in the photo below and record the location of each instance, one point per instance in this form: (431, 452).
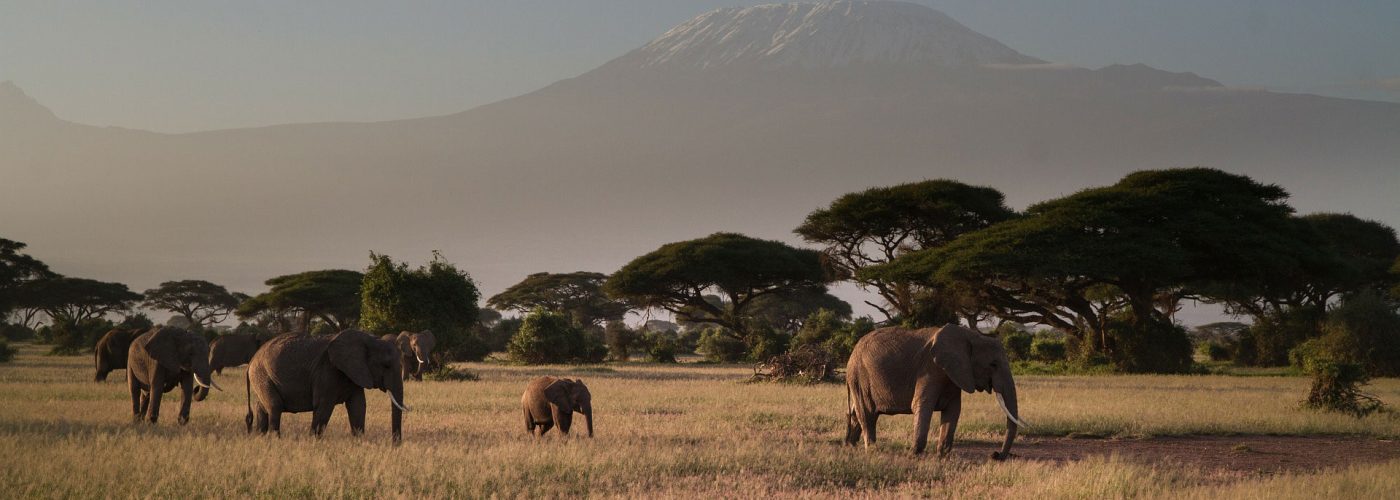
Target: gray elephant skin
(550, 401)
(900, 371)
(416, 349)
(158, 361)
(299, 373)
(110, 353)
(232, 349)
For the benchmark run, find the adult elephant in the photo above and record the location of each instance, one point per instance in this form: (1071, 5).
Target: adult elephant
(416, 349)
(297, 373)
(232, 349)
(899, 371)
(550, 401)
(110, 354)
(158, 361)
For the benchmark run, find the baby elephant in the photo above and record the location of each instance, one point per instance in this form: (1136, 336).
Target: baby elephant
(549, 400)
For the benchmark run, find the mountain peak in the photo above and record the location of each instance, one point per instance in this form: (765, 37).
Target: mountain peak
(15, 105)
(822, 35)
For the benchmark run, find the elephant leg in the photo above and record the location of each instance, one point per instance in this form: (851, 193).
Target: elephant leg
(186, 395)
(923, 414)
(948, 425)
(320, 417)
(355, 407)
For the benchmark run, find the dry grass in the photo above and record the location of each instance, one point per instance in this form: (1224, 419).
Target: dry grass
(662, 431)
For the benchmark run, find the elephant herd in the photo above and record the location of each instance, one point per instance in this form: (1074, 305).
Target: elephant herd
(891, 371)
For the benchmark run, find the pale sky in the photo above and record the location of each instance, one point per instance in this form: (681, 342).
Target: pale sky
(184, 65)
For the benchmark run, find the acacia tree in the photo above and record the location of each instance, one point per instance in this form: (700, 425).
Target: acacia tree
(332, 295)
(578, 295)
(1135, 248)
(878, 225)
(678, 276)
(201, 302)
(436, 297)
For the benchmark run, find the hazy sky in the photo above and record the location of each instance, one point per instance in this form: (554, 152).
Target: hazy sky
(186, 65)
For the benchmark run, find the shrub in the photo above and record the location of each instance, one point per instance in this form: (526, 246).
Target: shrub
(1335, 387)
(1047, 349)
(720, 345)
(1016, 341)
(547, 337)
(7, 353)
(660, 346)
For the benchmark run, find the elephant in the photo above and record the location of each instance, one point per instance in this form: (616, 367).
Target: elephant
(901, 371)
(549, 400)
(110, 353)
(417, 351)
(295, 373)
(233, 349)
(161, 359)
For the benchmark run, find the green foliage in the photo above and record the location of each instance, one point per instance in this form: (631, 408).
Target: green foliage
(71, 338)
(660, 346)
(1154, 346)
(678, 276)
(333, 296)
(578, 295)
(547, 337)
(204, 303)
(1047, 349)
(721, 345)
(620, 339)
(1016, 340)
(7, 353)
(436, 297)
(1364, 330)
(1336, 387)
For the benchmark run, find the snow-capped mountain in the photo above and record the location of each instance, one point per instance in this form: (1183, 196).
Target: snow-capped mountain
(823, 35)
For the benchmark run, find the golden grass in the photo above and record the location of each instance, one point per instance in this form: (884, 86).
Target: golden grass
(663, 431)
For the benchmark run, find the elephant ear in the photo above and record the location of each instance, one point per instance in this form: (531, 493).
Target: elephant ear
(952, 352)
(164, 346)
(350, 355)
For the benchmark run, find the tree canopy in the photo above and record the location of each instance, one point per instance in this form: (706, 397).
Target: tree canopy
(331, 295)
(437, 297)
(578, 295)
(876, 226)
(202, 302)
(740, 269)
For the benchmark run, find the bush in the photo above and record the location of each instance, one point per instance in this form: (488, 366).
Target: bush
(660, 346)
(547, 337)
(1150, 346)
(720, 345)
(7, 353)
(620, 340)
(16, 333)
(1016, 341)
(1048, 349)
(1335, 387)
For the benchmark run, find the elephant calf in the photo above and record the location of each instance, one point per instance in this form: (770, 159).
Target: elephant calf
(549, 400)
(900, 371)
(298, 373)
(232, 349)
(110, 353)
(161, 359)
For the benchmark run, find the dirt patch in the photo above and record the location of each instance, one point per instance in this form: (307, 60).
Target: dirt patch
(1225, 455)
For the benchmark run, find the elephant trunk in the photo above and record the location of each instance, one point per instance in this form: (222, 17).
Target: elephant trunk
(1005, 392)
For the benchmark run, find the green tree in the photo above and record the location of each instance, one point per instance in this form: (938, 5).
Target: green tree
(578, 295)
(678, 276)
(203, 303)
(1133, 251)
(436, 296)
(876, 226)
(332, 295)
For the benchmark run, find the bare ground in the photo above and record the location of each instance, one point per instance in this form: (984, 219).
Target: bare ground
(1223, 457)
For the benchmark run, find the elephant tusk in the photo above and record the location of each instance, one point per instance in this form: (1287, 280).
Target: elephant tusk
(1002, 404)
(397, 405)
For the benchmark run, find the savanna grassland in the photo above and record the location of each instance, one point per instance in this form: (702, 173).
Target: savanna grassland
(673, 431)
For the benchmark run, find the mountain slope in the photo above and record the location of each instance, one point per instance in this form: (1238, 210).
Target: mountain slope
(661, 145)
